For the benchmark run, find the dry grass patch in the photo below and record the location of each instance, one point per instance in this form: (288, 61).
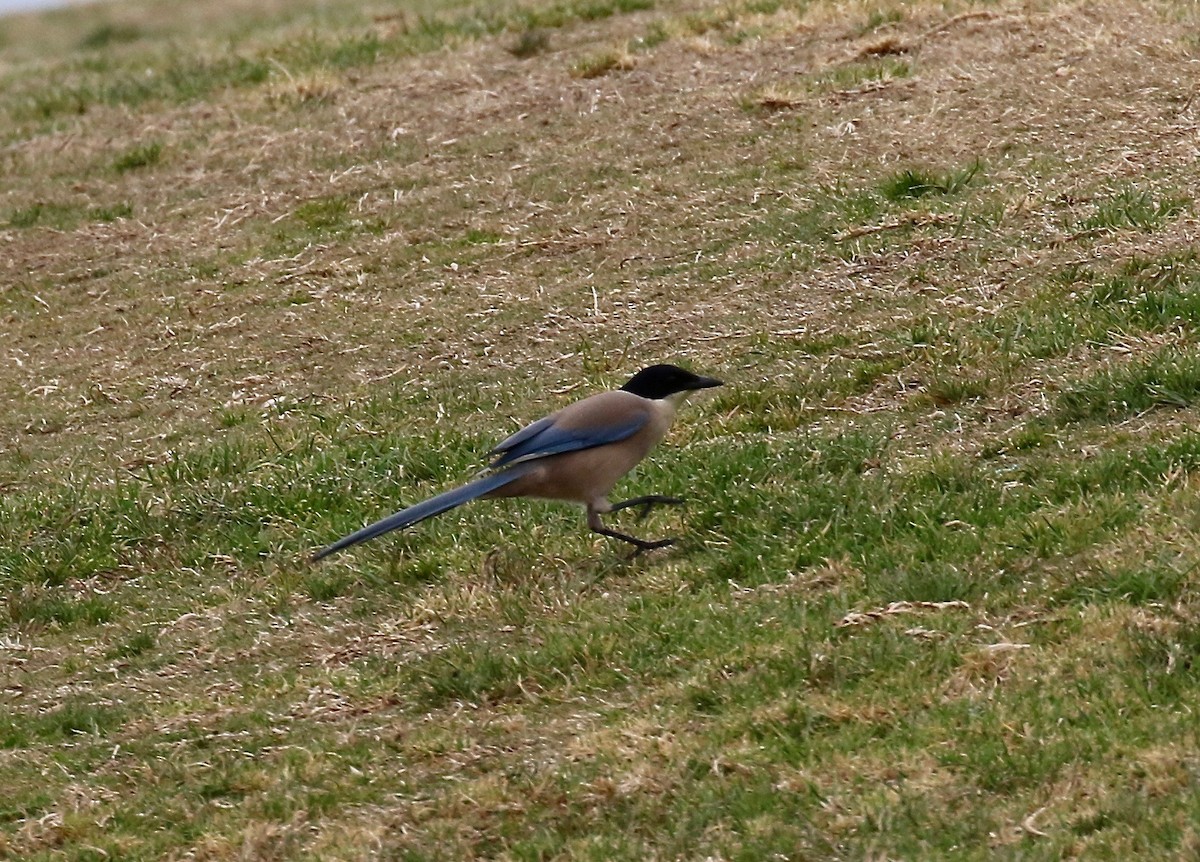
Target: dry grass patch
(603, 62)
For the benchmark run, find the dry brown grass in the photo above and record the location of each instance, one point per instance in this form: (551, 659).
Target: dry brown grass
(186, 344)
(126, 325)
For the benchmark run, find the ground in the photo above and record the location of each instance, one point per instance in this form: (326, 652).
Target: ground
(273, 270)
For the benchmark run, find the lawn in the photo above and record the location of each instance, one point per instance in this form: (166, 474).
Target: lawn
(273, 270)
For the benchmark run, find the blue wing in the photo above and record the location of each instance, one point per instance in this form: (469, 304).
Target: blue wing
(553, 436)
(523, 435)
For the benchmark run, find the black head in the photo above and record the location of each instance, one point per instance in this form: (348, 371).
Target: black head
(662, 381)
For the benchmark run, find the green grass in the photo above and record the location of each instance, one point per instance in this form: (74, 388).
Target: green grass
(1130, 207)
(911, 183)
(37, 609)
(275, 274)
(65, 216)
(864, 72)
(141, 156)
(1169, 378)
(42, 213)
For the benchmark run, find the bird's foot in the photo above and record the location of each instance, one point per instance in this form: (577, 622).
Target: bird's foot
(640, 545)
(643, 546)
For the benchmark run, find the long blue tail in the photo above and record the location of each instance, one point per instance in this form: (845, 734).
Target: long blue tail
(421, 511)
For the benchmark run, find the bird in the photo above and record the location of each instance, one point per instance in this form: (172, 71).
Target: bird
(577, 454)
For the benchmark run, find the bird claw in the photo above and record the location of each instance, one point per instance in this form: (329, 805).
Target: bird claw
(650, 546)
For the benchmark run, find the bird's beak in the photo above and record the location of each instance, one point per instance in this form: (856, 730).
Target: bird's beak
(706, 383)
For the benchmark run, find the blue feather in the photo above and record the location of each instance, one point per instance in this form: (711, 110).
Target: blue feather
(523, 435)
(421, 511)
(552, 439)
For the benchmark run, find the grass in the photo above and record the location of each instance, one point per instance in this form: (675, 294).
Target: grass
(1130, 207)
(529, 43)
(276, 273)
(863, 73)
(911, 184)
(601, 63)
(141, 156)
(1170, 378)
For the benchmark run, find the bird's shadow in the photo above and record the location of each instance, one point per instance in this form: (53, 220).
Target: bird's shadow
(618, 562)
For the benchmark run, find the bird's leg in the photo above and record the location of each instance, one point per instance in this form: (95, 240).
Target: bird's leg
(597, 526)
(647, 503)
